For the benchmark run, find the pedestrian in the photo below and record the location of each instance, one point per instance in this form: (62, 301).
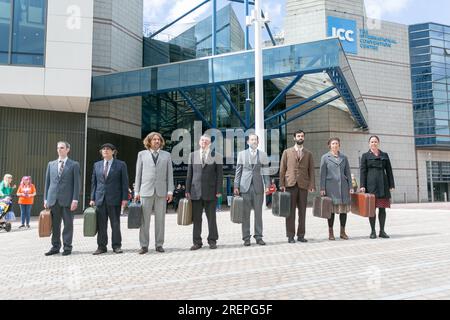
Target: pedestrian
(6, 186)
(297, 178)
(203, 187)
(109, 193)
(251, 181)
(61, 195)
(335, 183)
(26, 194)
(154, 188)
(376, 177)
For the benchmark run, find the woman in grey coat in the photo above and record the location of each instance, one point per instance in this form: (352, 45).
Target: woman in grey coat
(336, 183)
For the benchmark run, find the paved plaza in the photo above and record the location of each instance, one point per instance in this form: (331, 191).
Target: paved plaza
(413, 264)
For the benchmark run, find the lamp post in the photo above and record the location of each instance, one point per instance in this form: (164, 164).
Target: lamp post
(431, 176)
(258, 21)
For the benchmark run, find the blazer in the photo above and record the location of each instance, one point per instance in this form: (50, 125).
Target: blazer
(204, 182)
(151, 178)
(293, 172)
(335, 177)
(376, 174)
(64, 189)
(112, 190)
(248, 173)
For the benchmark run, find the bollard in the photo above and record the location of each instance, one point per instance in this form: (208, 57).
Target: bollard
(405, 197)
(445, 196)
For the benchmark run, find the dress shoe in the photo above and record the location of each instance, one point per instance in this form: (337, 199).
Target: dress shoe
(383, 235)
(143, 250)
(99, 251)
(52, 252)
(159, 249)
(260, 242)
(291, 240)
(301, 239)
(196, 246)
(117, 250)
(213, 246)
(247, 243)
(66, 252)
(373, 235)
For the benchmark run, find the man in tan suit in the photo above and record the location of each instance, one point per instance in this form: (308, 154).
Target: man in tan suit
(297, 178)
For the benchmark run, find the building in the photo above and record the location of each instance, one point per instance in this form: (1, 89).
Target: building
(430, 77)
(84, 72)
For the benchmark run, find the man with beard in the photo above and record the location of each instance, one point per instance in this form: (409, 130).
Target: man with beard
(297, 178)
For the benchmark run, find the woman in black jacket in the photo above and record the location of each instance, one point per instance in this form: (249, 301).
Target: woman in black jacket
(377, 178)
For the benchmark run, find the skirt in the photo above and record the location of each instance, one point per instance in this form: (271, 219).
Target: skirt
(383, 203)
(341, 208)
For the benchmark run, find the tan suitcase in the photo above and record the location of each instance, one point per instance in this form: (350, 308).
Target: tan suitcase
(184, 213)
(45, 223)
(322, 207)
(363, 204)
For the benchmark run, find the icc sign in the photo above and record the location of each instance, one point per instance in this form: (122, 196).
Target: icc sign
(344, 30)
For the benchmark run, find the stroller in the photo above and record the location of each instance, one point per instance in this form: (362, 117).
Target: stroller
(6, 214)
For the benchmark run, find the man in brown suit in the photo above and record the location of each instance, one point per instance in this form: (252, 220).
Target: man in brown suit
(297, 178)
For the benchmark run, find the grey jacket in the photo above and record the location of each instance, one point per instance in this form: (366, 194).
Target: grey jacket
(248, 172)
(64, 189)
(335, 178)
(151, 178)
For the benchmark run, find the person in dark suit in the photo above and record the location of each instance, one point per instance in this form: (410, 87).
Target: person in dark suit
(376, 177)
(61, 195)
(297, 178)
(109, 192)
(203, 186)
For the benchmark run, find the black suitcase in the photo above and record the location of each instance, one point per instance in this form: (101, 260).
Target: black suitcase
(237, 209)
(281, 204)
(135, 215)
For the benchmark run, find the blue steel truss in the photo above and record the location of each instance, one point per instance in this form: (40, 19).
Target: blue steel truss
(215, 71)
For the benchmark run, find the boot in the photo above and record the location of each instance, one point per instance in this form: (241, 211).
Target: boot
(331, 234)
(343, 235)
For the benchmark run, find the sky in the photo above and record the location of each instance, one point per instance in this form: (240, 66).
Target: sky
(158, 13)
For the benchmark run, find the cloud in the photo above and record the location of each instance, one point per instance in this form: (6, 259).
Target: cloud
(378, 8)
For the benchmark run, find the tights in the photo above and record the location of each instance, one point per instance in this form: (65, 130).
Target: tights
(381, 218)
(342, 219)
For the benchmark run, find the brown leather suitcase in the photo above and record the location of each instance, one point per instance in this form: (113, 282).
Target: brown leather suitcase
(184, 213)
(363, 204)
(322, 207)
(45, 223)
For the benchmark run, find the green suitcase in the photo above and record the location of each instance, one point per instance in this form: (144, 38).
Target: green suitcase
(90, 222)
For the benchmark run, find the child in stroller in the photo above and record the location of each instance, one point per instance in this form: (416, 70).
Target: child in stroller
(6, 215)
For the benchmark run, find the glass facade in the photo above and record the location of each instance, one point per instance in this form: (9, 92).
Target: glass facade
(22, 32)
(430, 73)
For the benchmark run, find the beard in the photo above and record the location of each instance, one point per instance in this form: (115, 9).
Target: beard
(299, 142)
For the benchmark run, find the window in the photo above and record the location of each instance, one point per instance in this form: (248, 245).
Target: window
(5, 25)
(22, 31)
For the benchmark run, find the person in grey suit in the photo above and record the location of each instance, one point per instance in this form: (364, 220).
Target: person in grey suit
(154, 188)
(250, 179)
(109, 192)
(61, 195)
(203, 186)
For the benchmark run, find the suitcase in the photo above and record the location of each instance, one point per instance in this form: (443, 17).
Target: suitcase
(184, 212)
(45, 223)
(281, 204)
(363, 204)
(90, 222)
(134, 215)
(322, 207)
(237, 209)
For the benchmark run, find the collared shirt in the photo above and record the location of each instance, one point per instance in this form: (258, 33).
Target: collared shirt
(59, 163)
(110, 162)
(297, 148)
(204, 152)
(155, 152)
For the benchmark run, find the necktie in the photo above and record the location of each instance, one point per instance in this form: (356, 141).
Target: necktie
(155, 157)
(61, 168)
(203, 158)
(105, 169)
